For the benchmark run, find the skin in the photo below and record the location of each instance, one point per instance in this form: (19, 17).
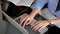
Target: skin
(27, 19)
(42, 24)
(37, 26)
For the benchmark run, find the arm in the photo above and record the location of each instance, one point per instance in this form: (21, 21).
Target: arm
(34, 12)
(55, 21)
(37, 6)
(42, 24)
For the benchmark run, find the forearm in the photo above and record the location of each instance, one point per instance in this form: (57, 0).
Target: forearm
(37, 6)
(55, 21)
(34, 12)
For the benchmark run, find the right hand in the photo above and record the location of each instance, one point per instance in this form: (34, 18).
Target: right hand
(39, 25)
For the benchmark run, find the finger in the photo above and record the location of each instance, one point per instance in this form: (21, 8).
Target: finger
(25, 22)
(41, 28)
(34, 24)
(21, 19)
(29, 22)
(35, 27)
(38, 27)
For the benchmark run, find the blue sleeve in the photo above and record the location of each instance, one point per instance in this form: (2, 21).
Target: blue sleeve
(57, 13)
(39, 4)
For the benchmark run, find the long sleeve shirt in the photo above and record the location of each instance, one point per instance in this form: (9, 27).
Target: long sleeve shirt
(52, 5)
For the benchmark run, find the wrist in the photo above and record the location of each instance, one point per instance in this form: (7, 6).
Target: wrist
(55, 21)
(34, 12)
(49, 21)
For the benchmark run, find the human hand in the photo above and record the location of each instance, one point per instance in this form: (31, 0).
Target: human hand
(39, 25)
(26, 20)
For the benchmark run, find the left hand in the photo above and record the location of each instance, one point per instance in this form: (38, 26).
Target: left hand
(39, 25)
(26, 20)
